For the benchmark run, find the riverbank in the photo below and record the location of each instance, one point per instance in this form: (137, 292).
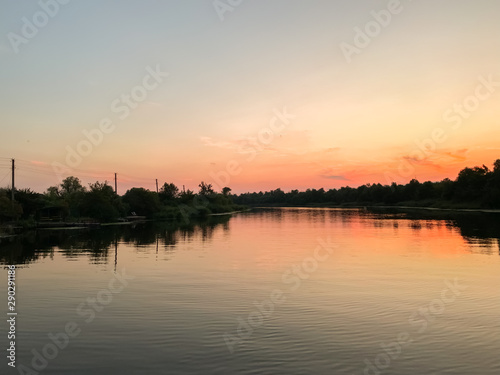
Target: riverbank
(444, 207)
(230, 213)
(13, 229)
(485, 210)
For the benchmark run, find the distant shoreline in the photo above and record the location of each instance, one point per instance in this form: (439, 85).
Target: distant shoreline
(227, 213)
(485, 210)
(472, 210)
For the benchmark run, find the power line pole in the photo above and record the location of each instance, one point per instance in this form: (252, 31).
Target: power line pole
(13, 176)
(157, 185)
(116, 185)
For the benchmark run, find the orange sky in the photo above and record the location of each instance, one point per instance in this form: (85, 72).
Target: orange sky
(261, 98)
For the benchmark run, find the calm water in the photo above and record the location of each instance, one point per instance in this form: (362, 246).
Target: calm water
(274, 291)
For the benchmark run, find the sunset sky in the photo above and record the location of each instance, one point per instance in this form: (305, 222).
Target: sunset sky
(254, 96)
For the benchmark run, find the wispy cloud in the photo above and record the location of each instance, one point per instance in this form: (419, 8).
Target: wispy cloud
(229, 145)
(335, 177)
(289, 143)
(39, 163)
(333, 174)
(438, 159)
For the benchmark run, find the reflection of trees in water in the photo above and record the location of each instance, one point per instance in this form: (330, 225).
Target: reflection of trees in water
(24, 249)
(480, 229)
(34, 245)
(204, 230)
(170, 233)
(483, 245)
(96, 243)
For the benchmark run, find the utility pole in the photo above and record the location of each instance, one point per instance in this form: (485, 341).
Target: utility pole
(157, 185)
(116, 185)
(13, 176)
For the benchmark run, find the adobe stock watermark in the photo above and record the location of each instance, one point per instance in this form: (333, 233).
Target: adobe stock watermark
(456, 115)
(364, 36)
(31, 26)
(59, 341)
(253, 146)
(122, 107)
(223, 6)
(233, 167)
(264, 309)
(421, 319)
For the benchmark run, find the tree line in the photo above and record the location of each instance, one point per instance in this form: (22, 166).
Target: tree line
(71, 201)
(477, 187)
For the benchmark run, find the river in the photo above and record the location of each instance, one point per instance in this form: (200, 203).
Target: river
(270, 291)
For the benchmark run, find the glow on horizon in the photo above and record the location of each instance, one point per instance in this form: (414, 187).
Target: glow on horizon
(354, 123)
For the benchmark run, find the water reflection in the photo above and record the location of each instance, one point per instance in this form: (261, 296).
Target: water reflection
(193, 284)
(480, 230)
(97, 243)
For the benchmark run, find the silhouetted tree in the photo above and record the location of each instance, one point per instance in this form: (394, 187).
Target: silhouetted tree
(9, 210)
(470, 183)
(168, 192)
(71, 185)
(143, 202)
(186, 196)
(476, 186)
(71, 191)
(102, 203)
(30, 201)
(205, 189)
